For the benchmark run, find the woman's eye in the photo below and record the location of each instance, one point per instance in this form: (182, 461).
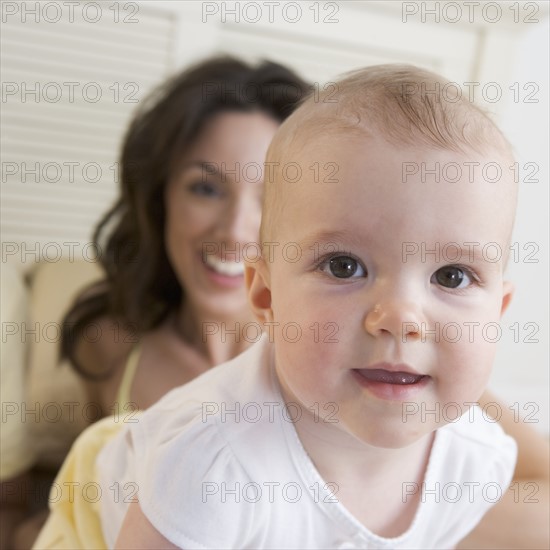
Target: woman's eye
(452, 277)
(343, 267)
(205, 189)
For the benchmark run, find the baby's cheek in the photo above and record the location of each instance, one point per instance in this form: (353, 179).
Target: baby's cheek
(310, 368)
(469, 338)
(464, 370)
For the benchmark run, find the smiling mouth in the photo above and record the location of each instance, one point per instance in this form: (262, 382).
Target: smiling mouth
(227, 268)
(395, 378)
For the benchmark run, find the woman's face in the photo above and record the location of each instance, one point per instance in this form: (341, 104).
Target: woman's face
(213, 210)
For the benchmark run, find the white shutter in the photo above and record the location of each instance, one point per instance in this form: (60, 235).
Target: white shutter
(69, 87)
(361, 33)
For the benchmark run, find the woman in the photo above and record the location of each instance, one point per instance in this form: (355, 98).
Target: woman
(191, 200)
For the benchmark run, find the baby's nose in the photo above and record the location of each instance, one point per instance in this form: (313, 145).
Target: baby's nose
(397, 318)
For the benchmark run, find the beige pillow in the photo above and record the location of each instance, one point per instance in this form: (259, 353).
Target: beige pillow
(15, 449)
(55, 391)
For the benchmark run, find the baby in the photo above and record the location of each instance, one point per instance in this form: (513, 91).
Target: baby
(352, 422)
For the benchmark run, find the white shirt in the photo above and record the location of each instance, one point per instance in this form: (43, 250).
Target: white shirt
(218, 464)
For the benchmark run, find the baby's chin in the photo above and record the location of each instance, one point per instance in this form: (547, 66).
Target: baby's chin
(394, 435)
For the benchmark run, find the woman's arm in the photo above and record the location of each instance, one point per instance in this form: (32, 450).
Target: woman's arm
(138, 533)
(520, 519)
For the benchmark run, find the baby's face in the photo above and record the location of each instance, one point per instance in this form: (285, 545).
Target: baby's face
(391, 331)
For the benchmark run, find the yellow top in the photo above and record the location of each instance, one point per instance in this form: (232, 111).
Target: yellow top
(74, 520)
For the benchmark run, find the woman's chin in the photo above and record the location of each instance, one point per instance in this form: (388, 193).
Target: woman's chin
(227, 307)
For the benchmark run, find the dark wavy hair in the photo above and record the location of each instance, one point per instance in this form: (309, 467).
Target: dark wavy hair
(140, 288)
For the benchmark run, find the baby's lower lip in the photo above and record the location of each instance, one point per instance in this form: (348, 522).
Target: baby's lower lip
(394, 386)
(381, 375)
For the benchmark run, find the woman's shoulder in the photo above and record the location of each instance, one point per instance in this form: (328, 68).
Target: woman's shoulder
(102, 352)
(105, 343)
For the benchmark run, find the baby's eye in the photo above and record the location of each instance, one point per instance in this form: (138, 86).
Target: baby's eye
(205, 189)
(452, 276)
(343, 267)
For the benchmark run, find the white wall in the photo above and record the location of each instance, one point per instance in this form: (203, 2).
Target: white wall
(522, 367)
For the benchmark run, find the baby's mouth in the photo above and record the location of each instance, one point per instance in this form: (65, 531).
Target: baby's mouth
(386, 377)
(392, 382)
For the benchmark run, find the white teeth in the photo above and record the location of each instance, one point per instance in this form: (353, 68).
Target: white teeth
(231, 269)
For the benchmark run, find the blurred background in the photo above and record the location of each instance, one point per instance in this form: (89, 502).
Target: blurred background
(73, 72)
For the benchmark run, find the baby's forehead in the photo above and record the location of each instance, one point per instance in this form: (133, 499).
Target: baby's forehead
(352, 166)
(310, 156)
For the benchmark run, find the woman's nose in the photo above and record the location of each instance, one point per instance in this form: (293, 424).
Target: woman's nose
(394, 317)
(241, 221)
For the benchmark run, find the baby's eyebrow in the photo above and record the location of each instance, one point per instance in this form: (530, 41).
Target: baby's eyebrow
(479, 252)
(451, 252)
(327, 236)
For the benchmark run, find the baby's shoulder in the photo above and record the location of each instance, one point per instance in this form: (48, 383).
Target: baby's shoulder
(192, 453)
(471, 465)
(475, 442)
(476, 427)
(181, 472)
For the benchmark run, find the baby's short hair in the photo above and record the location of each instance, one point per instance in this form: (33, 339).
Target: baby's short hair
(403, 104)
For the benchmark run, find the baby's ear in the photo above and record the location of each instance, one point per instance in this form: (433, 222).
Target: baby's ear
(508, 290)
(259, 292)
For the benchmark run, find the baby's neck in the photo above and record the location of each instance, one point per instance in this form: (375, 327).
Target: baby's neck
(369, 480)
